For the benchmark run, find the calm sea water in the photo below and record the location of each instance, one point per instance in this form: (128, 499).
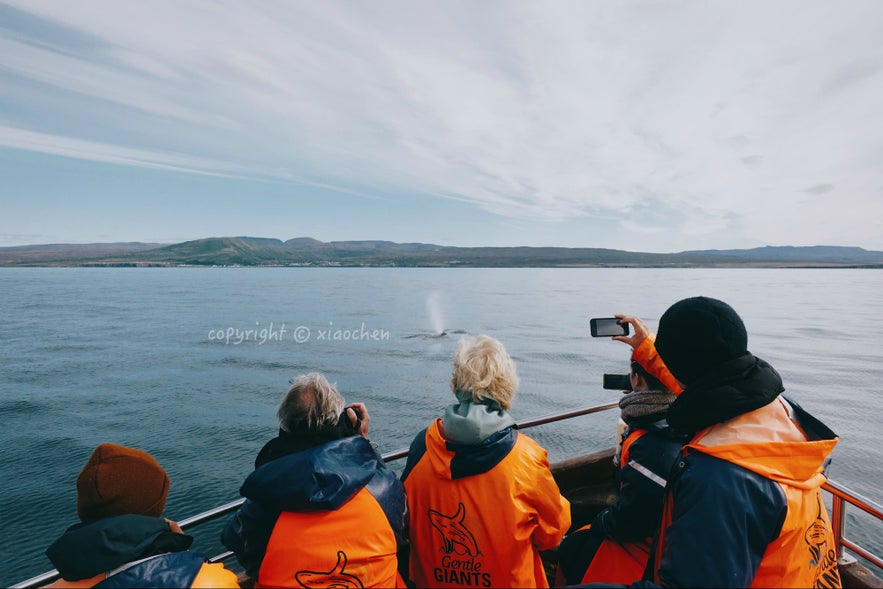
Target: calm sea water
(141, 357)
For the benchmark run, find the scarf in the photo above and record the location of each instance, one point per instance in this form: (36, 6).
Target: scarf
(730, 389)
(641, 407)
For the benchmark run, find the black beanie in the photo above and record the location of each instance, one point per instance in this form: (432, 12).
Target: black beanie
(697, 334)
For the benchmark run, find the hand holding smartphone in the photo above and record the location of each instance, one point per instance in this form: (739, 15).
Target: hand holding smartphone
(607, 327)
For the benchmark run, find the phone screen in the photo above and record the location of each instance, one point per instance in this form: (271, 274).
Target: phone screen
(607, 327)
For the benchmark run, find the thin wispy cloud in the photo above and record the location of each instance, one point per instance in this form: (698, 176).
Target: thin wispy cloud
(820, 188)
(691, 120)
(25, 140)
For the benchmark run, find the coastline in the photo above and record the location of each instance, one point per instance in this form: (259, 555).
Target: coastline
(240, 252)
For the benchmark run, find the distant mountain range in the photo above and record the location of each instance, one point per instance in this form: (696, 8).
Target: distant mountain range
(305, 251)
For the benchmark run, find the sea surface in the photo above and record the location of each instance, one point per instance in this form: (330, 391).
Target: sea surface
(190, 364)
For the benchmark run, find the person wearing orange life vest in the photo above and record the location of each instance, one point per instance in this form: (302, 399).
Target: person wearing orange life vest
(743, 505)
(482, 502)
(614, 547)
(321, 507)
(122, 540)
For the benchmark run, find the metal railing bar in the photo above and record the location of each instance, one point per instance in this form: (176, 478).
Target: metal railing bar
(402, 453)
(222, 556)
(38, 581)
(838, 524)
(214, 513)
(209, 515)
(840, 497)
(853, 498)
(866, 554)
(565, 415)
(840, 494)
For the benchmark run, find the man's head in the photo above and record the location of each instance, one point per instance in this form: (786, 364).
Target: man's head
(311, 403)
(482, 367)
(117, 480)
(697, 334)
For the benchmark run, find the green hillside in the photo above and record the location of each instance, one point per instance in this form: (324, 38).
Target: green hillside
(305, 251)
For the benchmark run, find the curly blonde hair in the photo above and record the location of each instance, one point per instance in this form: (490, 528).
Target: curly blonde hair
(482, 367)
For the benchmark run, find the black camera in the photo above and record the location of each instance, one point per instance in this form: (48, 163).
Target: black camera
(617, 382)
(345, 421)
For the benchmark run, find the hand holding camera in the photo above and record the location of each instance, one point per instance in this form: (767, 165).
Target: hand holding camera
(617, 382)
(356, 416)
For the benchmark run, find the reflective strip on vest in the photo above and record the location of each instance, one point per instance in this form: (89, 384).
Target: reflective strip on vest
(647, 473)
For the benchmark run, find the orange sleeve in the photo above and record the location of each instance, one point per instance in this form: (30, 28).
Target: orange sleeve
(552, 509)
(645, 355)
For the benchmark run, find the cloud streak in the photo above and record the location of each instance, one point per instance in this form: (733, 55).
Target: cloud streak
(22, 139)
(694, 118)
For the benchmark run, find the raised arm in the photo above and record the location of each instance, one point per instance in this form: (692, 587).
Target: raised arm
(644, 352)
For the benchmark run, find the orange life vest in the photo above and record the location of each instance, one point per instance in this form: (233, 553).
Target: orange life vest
(486, 529)
(770, 442)
(353, 546)
(619, 562)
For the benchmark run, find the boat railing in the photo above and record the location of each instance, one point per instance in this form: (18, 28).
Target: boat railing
(192, 522)
(841, 497)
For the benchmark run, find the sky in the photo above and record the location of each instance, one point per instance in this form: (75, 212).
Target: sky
(643, 126)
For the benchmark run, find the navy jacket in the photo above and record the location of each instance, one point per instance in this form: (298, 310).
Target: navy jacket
(87, 549)
(635, 514)
(726, 506)
(321, 478)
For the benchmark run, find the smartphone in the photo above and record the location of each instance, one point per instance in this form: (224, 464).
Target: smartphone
(617, 382)
(607, 327)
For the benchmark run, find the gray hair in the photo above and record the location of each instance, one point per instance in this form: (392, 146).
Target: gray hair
(482, 367)
(311, 402)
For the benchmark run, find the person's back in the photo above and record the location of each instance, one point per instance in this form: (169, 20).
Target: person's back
(744, 506)
(615, 546)
(321, 508)
(771, 502)
(122, 540)
(482, 502)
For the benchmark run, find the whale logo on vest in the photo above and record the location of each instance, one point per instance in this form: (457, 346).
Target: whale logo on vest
(822, 557)
(456, 536)
(335, 578)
